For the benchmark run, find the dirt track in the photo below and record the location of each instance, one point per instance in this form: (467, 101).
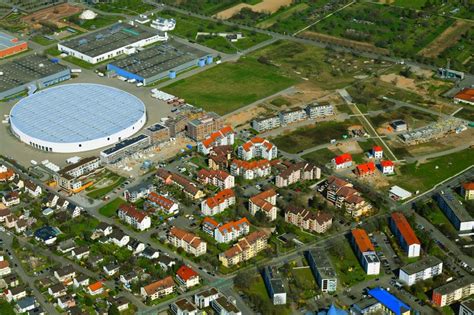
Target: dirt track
(269, 6)
(446, 39)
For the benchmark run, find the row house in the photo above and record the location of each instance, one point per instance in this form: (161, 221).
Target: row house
(315, 110)
(219, 157)
(191, 243)
(318, 222)
(405, 235)
(158, 289)
(297, 172)
(221, 201)
(218, 178)
(164, 204)
(231, 230)
(265, 202)
(189, 188)
(134, 217)
(292, 116)
(247, 248)
(251, 170)
(266, 123)
(342, 161)
(257, 148)
(342, 194)
(224, 136)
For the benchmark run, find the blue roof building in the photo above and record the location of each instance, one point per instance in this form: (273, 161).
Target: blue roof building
(333, 310)
(46, 234)
(390, 303)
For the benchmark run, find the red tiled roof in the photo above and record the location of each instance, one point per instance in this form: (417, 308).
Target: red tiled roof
(405, 229)
(216, 135)
(362, 240)
(131, 211)
(159, 285)
(261, 201)
(233, 225)
(249, 144)
(466, 95)
(252, 165)
(220, 197)
(377, 148)
(210, 221)
(219, 174)
(160, 200)
(186, 273)
(4, 264)
(95, 286)
(244, 243)
(468, 186)
(343, 158)
(386, 163)
(188, 237)
(366, 168)
(6, 175)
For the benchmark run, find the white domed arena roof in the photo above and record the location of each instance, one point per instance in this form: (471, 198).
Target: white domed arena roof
(88, 15)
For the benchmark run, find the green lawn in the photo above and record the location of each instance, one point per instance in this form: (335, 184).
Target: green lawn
(125, 6)
(320, 157)
(79, 62)
(425, 176)
(402, 31)
(347, 266)
(6, 308)
(308, 137)
(101, 192)
(110, 209)
(98, 22)
(412, 4)
(40, 39)
(238, 84)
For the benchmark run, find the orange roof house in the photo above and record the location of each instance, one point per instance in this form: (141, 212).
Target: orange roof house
(465, 96)
(365, 169)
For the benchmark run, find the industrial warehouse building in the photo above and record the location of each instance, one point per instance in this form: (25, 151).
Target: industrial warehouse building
(10, 45)
(77, 117)
(110, 42)
(159, 62)
(30, 72)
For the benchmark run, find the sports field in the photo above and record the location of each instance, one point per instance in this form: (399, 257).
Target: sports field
(231, 85)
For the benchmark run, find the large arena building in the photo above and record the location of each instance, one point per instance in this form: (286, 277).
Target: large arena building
(77, 117)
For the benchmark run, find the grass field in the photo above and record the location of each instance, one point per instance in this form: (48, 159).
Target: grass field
(6, 308)
(101, 192)
(98, 22)
(283, 15)
(413, 117)
(402, 31)
(40, 39)
(347, 266)
(424, 176)
(188, 27)
(205, 6)
(125, 6)
(110, 209)
(411, 4)
(320, 157)
(308, 137)
(238, 84)
(460, 54)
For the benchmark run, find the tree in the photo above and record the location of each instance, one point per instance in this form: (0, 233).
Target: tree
(243, 279)
(113, 310)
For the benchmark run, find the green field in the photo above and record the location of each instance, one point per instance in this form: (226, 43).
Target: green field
(110, 209)
(402, 31)
(320, 157)
(425, 176)
(40, 39)
(6, 308)
(308, 137)
(98, 22)
(96, 193)
(230, 86)
(461, 54)
(413, 117)
(188, 27)
(125, 6)
(283, 15)
(346, 264)
(411, 4)
(207, 7)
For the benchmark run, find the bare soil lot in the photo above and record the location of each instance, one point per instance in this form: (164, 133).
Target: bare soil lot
(267, 6)
(52, 14)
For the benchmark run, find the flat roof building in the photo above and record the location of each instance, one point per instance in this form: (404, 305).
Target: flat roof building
(32, 71)
(455, 211)
(110, 42)
(423, 269)
(274, 285)
(391, 305)
(156, 63)
(10, 45)
(322, 269)
(77, 117)
(124, 148)
(453, 291)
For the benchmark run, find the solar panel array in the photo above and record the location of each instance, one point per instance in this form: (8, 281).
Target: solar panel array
(76, 112)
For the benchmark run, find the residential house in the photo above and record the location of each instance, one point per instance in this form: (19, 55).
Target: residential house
(292, 116)
(18, 182)
(111, 268)
(250, 170)
(405, 235)
(158, 289)
(66, 302)
(315, 110)
(104, 228)
(455, 211)
(209, 225)
(139, 192)
(165, 262)
(322, 269)
(4, 213)
(274, 284)
(95, 288)
(187, 277)
(387, 167)
(342, 194)
(183, 307)
(119, 238)
(266, 123)
(4, 268)
(128, 278)
(318, 221)
(62, 203)
(224, 136)
(66, 246)
(11, 198)
(218, 203)
(203, 299)
(191, 243)
(390, 303)
(33, 189)
(365, 252)
(52, 200)
(365, 169)
(21, 225)
(6, 174)
(81, 281)
(377, 152)
(70, 178)
(246, 248)
(265, 202)
(10, 221)
(199, 128)
(219, 157)
(73, 210)
(232, 230)
(25, 304)
(80, 252)
(65, 274)
(120, 302)
(257, 148)
(14, 294)
(166, 205)
(57, 290)
(218, 178)
(137, 219)
(223, 306)
(11, 280)
(342, 161)
(150, 253)
(297, 172)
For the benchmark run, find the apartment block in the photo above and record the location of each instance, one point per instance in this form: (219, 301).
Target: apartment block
(405, 234)
(322, 269)
(425, 268)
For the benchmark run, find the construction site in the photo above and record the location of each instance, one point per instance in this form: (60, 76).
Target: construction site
(434, 131)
